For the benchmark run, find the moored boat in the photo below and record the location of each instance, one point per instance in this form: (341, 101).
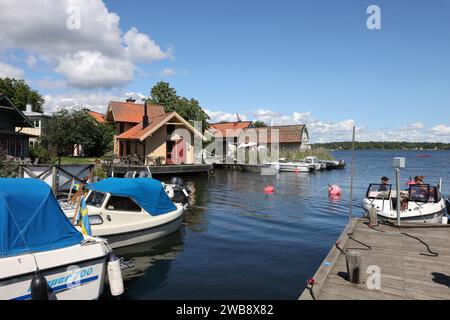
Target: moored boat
(37, 240)
(128, 211)
(420, 203)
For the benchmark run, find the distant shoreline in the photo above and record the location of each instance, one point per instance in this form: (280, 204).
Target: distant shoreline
(403, 146)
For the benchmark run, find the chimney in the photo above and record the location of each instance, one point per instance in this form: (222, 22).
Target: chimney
(145, 118)
(29, 107)
(130, 100)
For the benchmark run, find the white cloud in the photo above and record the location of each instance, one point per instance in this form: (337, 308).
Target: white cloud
(97, 101)
(441, 130)
(221, 116)
(168, 72)
(41, 31)
(414, 126)
(141, 47)
(321, 131)
(31, 61)
(86, 69)
(9, 71)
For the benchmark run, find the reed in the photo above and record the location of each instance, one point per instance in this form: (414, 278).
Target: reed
(321, 153)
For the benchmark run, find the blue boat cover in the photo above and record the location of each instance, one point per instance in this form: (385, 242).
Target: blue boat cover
(147, 192)
(31, 219)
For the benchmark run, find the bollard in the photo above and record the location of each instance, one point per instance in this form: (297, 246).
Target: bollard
(373, 216)
(353, 260)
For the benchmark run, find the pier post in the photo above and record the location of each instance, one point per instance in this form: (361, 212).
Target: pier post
(353, 260)
(55, 180)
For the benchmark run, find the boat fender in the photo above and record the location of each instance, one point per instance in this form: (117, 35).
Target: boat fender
(444, 220)
(39, 287)
(185, 192)
(169, 190)
(115, 276)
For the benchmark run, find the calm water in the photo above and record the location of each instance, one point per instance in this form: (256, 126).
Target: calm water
(241, 244)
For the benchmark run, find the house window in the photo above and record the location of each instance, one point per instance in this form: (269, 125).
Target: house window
(117, 203)
(37, 123)
(170, 128)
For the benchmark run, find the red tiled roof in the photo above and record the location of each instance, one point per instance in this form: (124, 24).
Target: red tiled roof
(133, 112)
(286, 134)
(236, 126)
(137, 131)
(99, 117)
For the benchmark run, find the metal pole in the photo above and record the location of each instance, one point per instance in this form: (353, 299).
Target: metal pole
(397, 171)
(351, 177)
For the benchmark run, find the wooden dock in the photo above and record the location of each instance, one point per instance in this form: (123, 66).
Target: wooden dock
(408, 268)
(121, 169)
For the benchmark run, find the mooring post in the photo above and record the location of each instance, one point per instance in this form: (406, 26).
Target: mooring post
(21, 171)
(373, 216)
(353, 260)
(55, 180)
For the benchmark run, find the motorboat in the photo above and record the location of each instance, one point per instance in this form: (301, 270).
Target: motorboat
(128, 211)
(266, 168)
(177, 191)
(419, 203)
(314, 161)
(41, 249)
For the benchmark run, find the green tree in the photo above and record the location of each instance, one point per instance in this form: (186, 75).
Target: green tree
(21, 94)
(69, 127)
(258, 124)
(8, 167)
(164, 95)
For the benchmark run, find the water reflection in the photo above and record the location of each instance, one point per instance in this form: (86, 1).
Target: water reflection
(150, 261)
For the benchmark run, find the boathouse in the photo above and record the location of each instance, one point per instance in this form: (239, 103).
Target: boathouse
(14, 142)
(150, 135)
(290, 137)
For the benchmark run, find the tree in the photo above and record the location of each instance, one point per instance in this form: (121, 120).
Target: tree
(8, 167)
(164, 95)
(69, 127)
(21, 94)
(259, 124)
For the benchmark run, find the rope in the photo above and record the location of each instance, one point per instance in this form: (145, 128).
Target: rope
(350, 236)
(432, 253)
(309, 285)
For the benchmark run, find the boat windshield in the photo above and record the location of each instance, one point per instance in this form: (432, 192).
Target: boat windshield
(380, 191)
(95, 199)
(420, 193)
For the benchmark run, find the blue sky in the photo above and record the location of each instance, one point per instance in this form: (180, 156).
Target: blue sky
(290, 61)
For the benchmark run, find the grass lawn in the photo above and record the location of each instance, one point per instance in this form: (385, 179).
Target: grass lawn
(75, 160)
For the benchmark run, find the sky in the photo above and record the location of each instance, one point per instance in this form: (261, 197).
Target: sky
(282, 62)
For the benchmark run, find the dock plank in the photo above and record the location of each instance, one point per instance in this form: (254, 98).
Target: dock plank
(407, 272)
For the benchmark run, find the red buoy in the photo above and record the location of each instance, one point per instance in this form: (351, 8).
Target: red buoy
(269, 190)
(334, 190)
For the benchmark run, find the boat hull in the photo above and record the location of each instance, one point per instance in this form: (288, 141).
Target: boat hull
(132, 237)
(70, 280)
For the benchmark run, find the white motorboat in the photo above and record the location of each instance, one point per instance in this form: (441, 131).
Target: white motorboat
(266, 168)
(292, 166)
(420, 203)
(314, 161)
(129, 211)
(41, 250)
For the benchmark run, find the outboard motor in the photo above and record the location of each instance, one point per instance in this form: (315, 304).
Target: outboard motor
(181, 192)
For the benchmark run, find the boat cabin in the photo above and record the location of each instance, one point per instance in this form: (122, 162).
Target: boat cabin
(416, 193)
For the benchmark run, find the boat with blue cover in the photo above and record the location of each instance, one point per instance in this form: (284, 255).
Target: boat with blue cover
(127, 211)
(36, 238)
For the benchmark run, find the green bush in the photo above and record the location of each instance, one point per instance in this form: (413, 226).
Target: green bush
(40, 152)
(321, 153)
